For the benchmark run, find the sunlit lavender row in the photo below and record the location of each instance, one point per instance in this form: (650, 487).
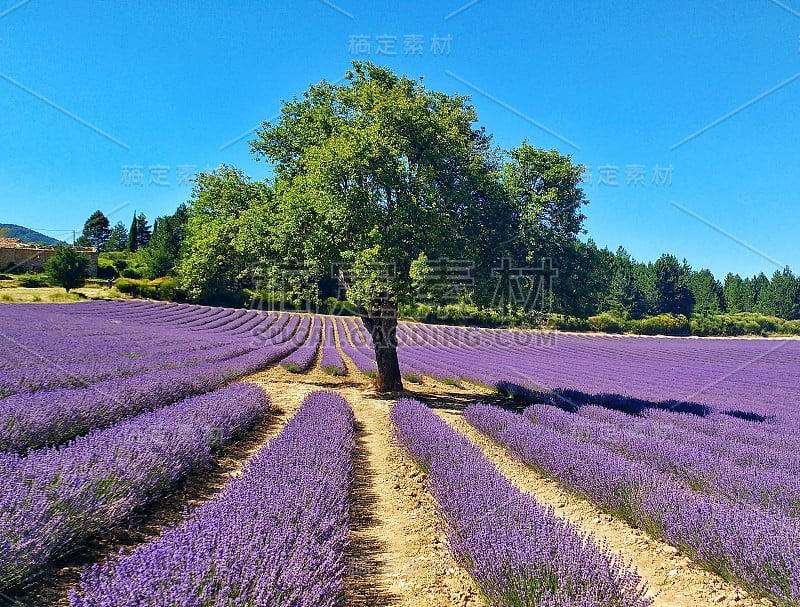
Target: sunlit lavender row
(31, 420)
(517, 551)
(276, 535)
(750, 375)
(751, 545)
(331, 361)
(53, 499)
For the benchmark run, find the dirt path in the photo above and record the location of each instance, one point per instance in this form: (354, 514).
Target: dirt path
(671, 577)
(397, 555)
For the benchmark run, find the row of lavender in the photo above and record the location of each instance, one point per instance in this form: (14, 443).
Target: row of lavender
(758, 376)
(720, 480)
(775, 433)
(276, 535)
(220, 345)
(518, 552)
(747, 532)
(55, 498)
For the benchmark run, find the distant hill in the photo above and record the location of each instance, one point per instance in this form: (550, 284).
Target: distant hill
(26, 234)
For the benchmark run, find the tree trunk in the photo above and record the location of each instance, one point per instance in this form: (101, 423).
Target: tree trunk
(381, 322)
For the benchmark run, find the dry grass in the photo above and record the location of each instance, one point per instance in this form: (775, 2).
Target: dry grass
(12, 294)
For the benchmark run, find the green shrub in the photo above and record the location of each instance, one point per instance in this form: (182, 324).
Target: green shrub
(335, 371)
(663, 324)
(607, 323)
(130, 273)
(412, 378)
(32, 281)
(742, 323)
(106, 269)
(165, 289)
(561, 322)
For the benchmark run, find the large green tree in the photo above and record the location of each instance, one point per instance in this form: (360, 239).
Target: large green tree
(67, 268)
(139, 233)
(545, 195)
(161, 254)
(374, 172)
(625, 294)
(706, 291)
(780, 296)
(671, 281)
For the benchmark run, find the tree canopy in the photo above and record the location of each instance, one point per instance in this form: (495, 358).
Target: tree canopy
(67, 267)
(379, 170)
(96, 231)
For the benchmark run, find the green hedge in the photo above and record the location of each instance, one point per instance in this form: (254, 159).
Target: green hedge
(165, 289)
(32, 281)
(701, 325)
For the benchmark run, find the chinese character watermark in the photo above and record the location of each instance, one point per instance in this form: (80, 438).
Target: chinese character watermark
(635, 175)
(387, 44)
(158, 175)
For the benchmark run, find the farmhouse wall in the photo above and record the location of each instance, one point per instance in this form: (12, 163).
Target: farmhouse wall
(15, 253)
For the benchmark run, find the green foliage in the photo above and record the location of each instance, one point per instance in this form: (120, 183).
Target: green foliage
(376, 171)
(139, 233)
(67, 268)
(780, 296)
(543, 189)
(96, 231)
(117, 238)
(227, 234)
(133, 238)
(161, 254)
(662, 324)
(132, 273)
(706, 291)
(562, 322)
(32, 281)
(607, 323)
(671, 281)
(742, 323)
(625, 297)
(164, 289)
(105, 268)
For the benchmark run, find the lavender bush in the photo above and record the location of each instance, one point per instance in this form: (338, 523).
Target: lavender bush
(55, 498)
(741, 542)
(274, 536)
(331, 361)
(517, 551)
(301, 359)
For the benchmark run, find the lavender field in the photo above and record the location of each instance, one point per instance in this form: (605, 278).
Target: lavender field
(107, 407)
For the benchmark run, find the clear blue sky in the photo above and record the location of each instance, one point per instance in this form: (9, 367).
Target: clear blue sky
(95, 94)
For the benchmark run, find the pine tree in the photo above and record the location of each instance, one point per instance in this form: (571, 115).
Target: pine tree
(118, 239)
(779, 297)
(133, 237)
(96, 231)
(143, 231)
